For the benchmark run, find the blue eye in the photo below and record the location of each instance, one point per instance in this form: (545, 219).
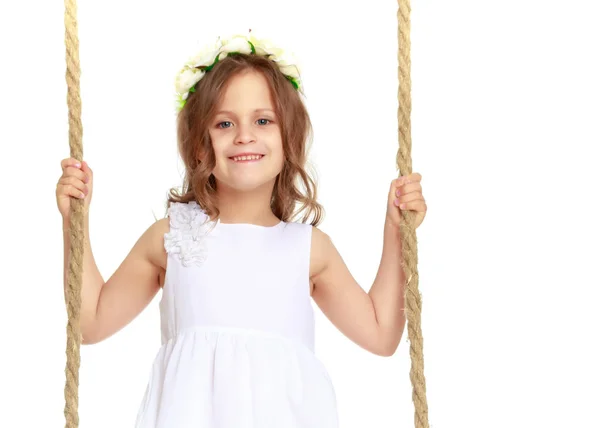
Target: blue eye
(226, 124)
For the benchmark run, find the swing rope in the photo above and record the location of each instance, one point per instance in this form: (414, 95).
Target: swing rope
(409, 237)
(76, 232)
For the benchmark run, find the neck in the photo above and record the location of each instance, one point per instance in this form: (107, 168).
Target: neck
(247, 206)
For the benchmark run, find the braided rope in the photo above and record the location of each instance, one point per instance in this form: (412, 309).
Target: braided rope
(409, 237)
(76, 233)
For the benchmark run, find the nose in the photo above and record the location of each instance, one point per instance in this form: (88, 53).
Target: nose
(245, 134)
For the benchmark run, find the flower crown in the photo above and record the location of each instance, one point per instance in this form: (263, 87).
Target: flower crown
(195, 69)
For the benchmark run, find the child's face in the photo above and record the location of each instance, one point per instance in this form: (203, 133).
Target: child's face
(246, 123)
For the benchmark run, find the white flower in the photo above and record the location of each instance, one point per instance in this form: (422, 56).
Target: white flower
(206, 56)
(189, 230)
(288, 65)
(265, 47)
(173, 240)
(181, 217)
(189, 249)
(290, 70)
(180, 101)
(235, 44)
(186, 79)
(190, 74)
(193, 252)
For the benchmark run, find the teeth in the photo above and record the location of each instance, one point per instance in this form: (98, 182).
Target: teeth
(243, 158)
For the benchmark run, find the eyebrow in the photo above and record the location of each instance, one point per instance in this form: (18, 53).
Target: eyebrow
(258, 110)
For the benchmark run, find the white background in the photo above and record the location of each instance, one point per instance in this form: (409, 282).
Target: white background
(506, 127)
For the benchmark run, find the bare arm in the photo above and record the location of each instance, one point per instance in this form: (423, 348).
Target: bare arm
(107, 307)
(388, 288)
(92, 280)
(374, 320)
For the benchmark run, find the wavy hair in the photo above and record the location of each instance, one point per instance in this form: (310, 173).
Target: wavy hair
(295, 190)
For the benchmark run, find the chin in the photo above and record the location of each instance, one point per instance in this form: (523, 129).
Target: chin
(249, 186)
(246, 183)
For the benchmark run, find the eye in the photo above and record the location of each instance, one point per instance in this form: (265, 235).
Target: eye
(263, 121)
(219, 125)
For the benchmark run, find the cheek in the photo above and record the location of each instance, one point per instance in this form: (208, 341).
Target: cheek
(217, 147)
(281, 158)
(278, 156)
(277, 146)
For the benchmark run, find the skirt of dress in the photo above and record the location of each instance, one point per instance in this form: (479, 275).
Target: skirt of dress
(209, 377)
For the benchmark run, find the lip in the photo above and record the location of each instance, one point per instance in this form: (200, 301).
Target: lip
(246, 154)
(248, 160)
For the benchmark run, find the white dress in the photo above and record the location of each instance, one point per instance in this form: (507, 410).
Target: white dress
(237, 330)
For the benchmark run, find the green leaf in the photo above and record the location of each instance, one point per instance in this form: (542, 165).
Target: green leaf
(293, 81)
(210, 67)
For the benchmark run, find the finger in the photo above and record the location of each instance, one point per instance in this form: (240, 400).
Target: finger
(70, 162)
(409, 197)
(409, 188)
(87, 170)
(71, 171)
(415, 177)
(71, 190)
(394, 186)
(417, 205)
(75, 182)
(410, 178)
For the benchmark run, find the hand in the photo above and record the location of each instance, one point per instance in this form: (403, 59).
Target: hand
(76, 181)
(406, 194)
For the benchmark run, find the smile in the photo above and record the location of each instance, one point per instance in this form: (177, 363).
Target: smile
(246, 158)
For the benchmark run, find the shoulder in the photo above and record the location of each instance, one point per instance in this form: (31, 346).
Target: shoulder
(159, 227)
(153, 241)
(181, 219)
(321, 249)
(319, 240)
(320, 237)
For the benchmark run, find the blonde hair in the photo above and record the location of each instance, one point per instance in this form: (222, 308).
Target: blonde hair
(193, 141)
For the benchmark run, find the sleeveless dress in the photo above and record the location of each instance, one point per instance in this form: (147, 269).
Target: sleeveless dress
(237, 323)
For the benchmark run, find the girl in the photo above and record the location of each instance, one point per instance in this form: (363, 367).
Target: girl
(237, 275)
